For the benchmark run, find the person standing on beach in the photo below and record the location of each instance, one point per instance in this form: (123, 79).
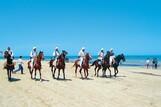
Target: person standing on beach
(20, 65)
(33, 55)
(101, 56)
(81, 55)
(56, 54)
(155, 63)
(147, 63)
(112, 57)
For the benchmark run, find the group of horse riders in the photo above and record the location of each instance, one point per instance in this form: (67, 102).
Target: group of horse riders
(56, 54)
(101, 55)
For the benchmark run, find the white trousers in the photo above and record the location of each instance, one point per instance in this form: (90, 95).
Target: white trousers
(81, 61)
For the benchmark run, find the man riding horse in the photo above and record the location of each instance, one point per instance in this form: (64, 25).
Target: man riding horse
(33, 55)
(81, 55)
(9, 65)
(101, 56)
(56, 54)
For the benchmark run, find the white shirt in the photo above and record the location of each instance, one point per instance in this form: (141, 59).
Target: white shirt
(81, 54)
(19, 61)
(56, 53)
(147, 61)
(10, 52)
(100, 55)
(33, 54)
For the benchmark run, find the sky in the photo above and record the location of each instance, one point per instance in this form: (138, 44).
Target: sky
(132, 27)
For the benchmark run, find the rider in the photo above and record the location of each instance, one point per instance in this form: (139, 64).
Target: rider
(112, 57)
(101, 55)
(33, 55)
(10, 52)
(81, 55)
(56, 54)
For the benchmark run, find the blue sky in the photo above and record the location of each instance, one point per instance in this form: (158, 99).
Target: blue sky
(128, 26)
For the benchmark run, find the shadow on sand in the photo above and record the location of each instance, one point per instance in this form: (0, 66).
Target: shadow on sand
(60, 79)
(86, 79)
(14, 80)
(145, 73)
(42, 80)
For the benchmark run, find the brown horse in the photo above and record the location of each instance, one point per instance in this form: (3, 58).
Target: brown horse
(85, 66)
(9, 65)
(60, 64)
(36, 65)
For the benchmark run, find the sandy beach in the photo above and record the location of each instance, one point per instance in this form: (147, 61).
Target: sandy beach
(134, 87)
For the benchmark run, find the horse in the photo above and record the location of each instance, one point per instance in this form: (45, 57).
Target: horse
(36, 65)
(60, 64)
(85, 66)
(9, 65)
(117, 63)
(106, 65)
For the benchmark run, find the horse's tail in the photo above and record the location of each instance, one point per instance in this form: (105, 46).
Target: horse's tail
(94, 63)
(75, 63)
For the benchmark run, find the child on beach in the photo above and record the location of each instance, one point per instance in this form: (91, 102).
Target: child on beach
(20, 65)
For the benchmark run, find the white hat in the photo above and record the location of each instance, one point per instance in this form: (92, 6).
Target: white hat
(83, 48)
(111, 49)
(102, 49)
(34, 48)
(56, 48)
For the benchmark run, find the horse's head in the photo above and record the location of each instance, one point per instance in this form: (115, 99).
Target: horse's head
(7, 55)
(122, 57)
(41, 55)
(64, 52)
(107, 56)
(88, 57)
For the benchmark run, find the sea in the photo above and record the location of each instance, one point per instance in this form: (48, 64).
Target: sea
(131, 60)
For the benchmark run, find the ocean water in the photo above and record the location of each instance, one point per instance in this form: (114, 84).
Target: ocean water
(131, 60)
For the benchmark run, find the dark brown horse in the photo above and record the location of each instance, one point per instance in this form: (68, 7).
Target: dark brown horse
(106, 65)
(36, 65)
(85, 66)
(9, 65)
(60, 64)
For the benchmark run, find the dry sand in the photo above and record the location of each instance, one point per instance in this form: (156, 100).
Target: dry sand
(134, 87)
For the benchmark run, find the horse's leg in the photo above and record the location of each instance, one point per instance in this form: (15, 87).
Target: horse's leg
(110, 72)
(115, 71)
(103, 72)
(30, 72)
(85, 73)
(98, 71)
(54, 73)
(80, 71)
(76, 68)
(52, 68)
(35, 74)
(64, 73)
(95, 69)
(40, 74)
(58, 74)
(8, 75)
(11, 73)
